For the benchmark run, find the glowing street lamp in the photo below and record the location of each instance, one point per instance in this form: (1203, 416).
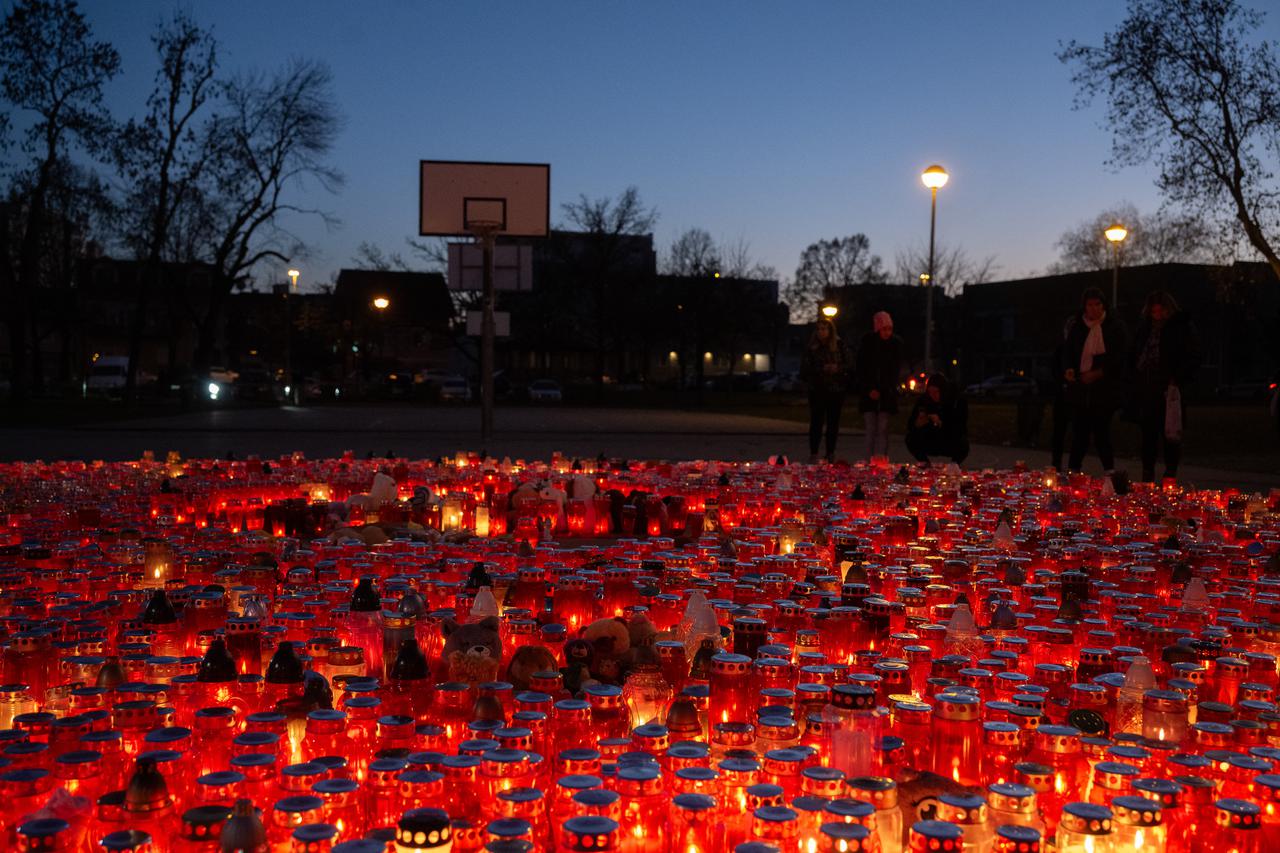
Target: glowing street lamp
(830, 311)
(382, 303)
(1115, 235)
(293, 278)
(935, 177)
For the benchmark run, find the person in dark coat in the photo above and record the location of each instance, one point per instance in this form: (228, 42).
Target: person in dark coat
(1166, 354)
(1061, 404)
(825, 369)
(939, 423)
(878, 372)
(1093, 358)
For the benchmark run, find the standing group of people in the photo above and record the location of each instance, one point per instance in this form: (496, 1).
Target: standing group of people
(1098, 371)
(937, 424)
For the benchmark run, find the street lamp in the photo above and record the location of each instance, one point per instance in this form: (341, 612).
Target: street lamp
(1115, 235)
(830, 311)
(293, 279)
(934, 177)
(382, 303)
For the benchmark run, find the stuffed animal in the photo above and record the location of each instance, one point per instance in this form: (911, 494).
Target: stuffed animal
(918, 798)
(610, 642)
(472, 652)
(527, 661)
(578, 661)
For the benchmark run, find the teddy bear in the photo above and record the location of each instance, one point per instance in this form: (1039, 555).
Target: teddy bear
(526, 662)
(472, 651)
(579, 658)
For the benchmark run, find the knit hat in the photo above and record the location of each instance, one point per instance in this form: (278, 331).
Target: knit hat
(881, 320)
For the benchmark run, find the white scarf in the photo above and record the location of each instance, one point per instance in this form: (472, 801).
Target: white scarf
(1093, 345)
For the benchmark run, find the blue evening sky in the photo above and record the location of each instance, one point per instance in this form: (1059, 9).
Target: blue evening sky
(777, 123)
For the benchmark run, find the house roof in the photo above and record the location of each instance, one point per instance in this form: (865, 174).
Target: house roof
(416, 298)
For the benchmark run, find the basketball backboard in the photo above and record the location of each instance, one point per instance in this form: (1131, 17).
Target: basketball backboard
(512, 267)
(512, 199)
(501, 323)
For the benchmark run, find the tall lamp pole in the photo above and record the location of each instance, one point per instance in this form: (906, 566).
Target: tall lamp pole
(1115, 235)
(934, 178)
(290, 389)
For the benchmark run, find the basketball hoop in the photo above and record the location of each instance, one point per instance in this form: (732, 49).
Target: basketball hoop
(483, 228)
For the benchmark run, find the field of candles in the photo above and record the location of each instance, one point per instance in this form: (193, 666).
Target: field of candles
(465, 653)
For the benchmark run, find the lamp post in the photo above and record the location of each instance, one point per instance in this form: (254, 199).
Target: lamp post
(830, 312)
(934, 178)
(1115, 235)
(289, 385)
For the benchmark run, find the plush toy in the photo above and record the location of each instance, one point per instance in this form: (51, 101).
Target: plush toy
(527, 661)
(472, 652)
(611, 644)
(918, 798)
(579, 657)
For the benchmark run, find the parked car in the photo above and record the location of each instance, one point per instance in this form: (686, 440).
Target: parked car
(545, 391)
(782, 383)
(256, 384)
(1009, 385)
(455, 389)
(107, 376)
(1247, 389)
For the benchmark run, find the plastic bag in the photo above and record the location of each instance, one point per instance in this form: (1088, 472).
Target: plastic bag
(1173, 414)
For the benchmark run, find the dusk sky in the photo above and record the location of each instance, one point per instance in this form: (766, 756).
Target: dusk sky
(775, 123)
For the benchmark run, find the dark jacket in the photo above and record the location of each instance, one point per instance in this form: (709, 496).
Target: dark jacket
(879, 368)
(817, 378)
(1180, 355)
(952, 409)
(1108, 391)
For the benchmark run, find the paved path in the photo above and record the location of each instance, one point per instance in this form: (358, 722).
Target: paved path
(531, 432)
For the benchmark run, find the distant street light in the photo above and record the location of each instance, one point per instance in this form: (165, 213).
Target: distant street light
(830, 311)
(293, 278)
(1115, 234)
(382, 303)
(934, 177)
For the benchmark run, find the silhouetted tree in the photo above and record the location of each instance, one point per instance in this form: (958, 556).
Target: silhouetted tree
(952, 267)
(162, 158)
(827, 264)
(1190, 84)
(271, 135)
(52, 68)
(1157, 238)
(693, 253)
(608, 223)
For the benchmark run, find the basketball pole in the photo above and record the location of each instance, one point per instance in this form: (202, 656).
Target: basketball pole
(486, 236)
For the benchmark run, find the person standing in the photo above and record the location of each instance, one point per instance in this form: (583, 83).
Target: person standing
(1093, 360)
(879, 369)
(1061, 403)
(825, 369)
(939, 423)
(1166, 355)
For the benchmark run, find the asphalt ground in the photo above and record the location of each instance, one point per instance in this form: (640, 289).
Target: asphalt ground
(528, 432)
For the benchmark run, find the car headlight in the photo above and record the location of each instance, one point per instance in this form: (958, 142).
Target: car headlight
(214, 390)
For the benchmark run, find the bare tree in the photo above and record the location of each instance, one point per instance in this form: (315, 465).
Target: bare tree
(1152, 239)
(50, 67)
(694, 253)
(371, 256)
(952, 266)
(828, 264)
(608, 224)
(1190, 84)
(270, 139)
(161, 158)
(740, 262)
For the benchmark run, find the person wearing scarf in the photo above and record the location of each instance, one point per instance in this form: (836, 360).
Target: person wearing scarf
(1093, 360)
